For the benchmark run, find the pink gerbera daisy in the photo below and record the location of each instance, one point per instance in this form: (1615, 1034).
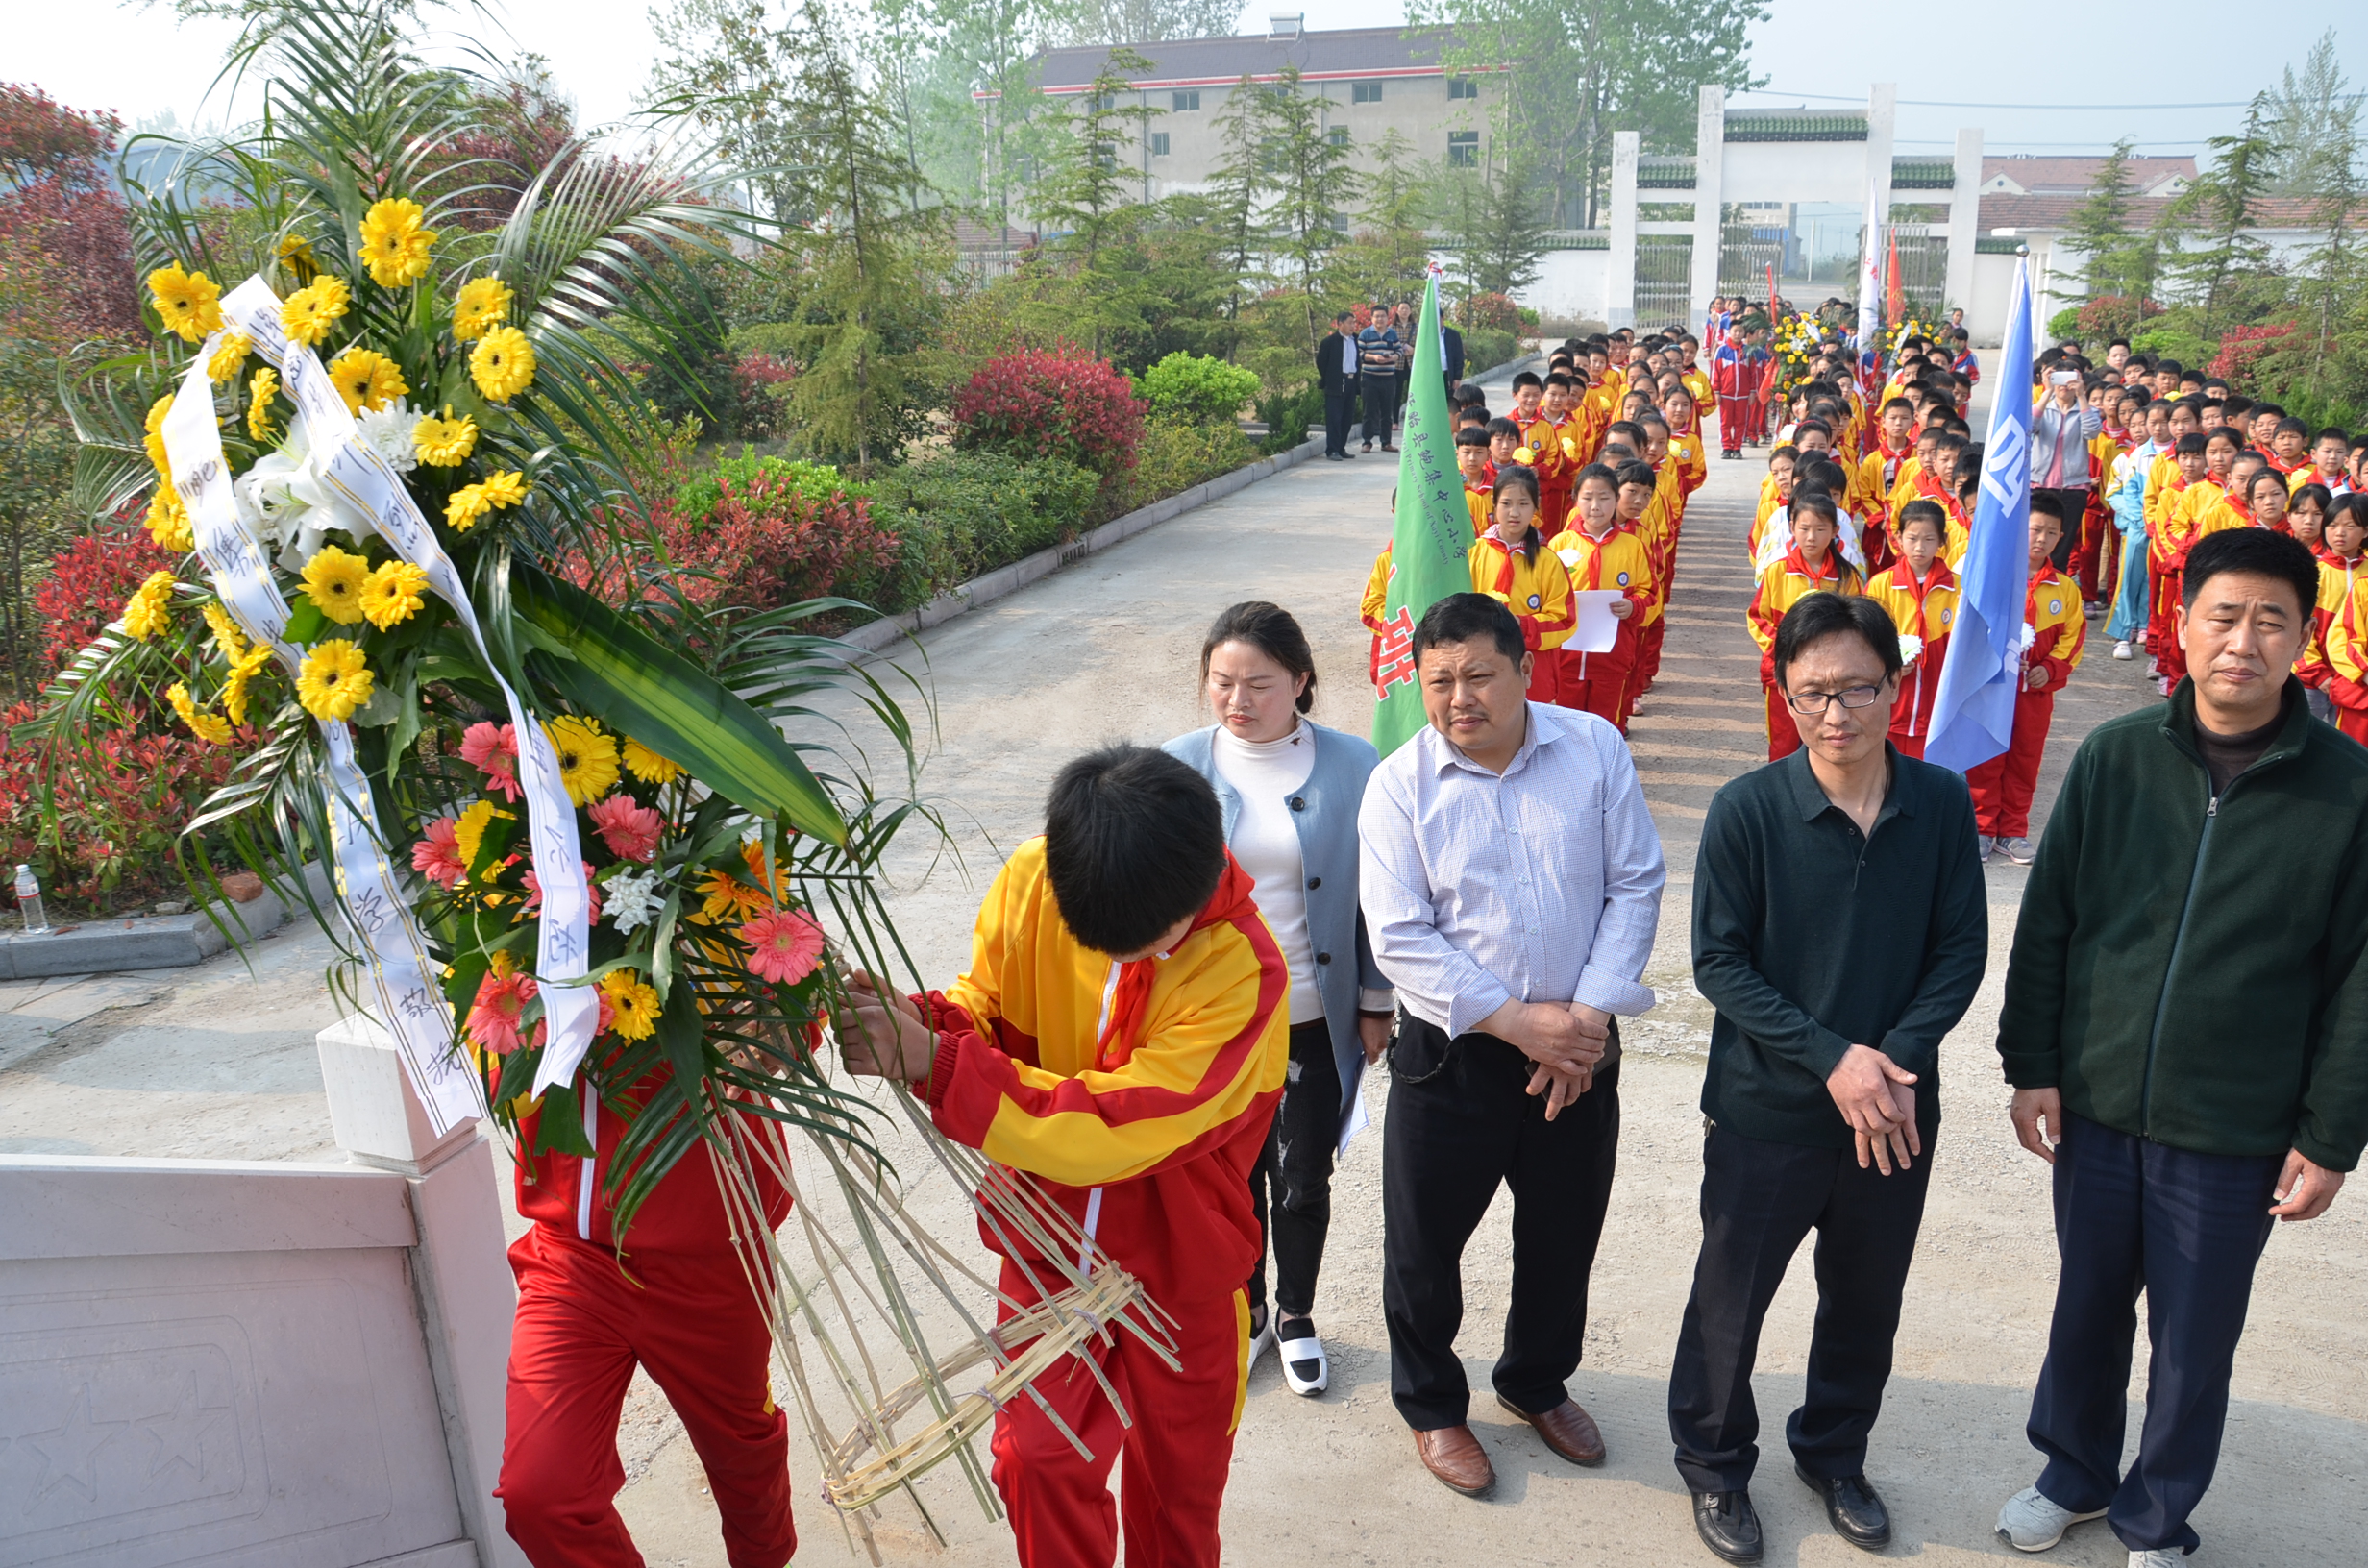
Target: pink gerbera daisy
(630, 828)
(494, 748)
(493, 1018)
(438, 856)
(534, 893)
(784, 947)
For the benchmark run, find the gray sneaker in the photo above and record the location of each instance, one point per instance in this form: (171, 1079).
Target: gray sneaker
(1983, 844)
(2030, 1523)
(2162, 1557)
(2018, 850)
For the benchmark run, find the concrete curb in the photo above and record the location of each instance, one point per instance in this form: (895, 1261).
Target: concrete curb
(152, 942)
(875, 635)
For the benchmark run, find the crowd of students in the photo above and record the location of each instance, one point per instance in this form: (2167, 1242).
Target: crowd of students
(1581, 485)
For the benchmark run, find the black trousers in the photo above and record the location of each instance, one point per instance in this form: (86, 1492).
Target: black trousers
(1459, 1124)
(2186, 1229)
(1759, 1201)
(1340, 411)
(1379, 395)
(1291, 1185)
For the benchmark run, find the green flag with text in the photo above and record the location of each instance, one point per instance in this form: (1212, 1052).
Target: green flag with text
(1430, 543)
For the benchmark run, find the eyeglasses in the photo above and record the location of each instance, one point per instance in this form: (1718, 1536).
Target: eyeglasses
(1810, 705)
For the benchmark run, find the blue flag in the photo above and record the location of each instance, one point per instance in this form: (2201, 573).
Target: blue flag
(1973, 718)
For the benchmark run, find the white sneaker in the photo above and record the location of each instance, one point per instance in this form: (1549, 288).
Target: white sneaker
(2162, 1557)
(1305, 1366)
(2030, 1523)
(2018, 850)
(2121, 649)
(1259, 1341)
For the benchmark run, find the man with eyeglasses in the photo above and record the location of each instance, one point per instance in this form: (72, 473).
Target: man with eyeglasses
(1840, 929)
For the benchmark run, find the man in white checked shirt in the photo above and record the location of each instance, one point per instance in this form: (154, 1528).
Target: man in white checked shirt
(1510, 880)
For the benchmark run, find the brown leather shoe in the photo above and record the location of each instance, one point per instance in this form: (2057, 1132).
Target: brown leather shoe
(1567, 1430)
(1456, 1458)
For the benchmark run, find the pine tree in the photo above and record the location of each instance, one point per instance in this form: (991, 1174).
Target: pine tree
(2120, 258)
(2219, 211)
(1312, 183)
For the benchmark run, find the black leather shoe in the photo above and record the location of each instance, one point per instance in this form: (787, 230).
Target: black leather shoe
(1728, 1524)
(1858, 1515)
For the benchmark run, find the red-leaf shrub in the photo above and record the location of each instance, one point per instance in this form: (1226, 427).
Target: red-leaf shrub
(86, 586)
(765, 542)
(1498, 312)
(1066, 405)
(2242, 347)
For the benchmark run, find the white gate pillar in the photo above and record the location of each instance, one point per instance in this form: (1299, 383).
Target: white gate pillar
(1964, 221)
(1882, 118)
(1620, 274)
(1710, 154)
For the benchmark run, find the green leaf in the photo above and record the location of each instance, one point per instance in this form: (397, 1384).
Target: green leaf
(305, 623)
(662, 699)
(559, 1127)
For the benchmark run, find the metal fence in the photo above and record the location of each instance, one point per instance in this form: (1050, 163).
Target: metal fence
(1923, 250)
(1665, 278)
(1745, 253)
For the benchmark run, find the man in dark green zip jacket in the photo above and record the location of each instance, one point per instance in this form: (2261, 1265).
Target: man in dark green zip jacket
(2187, 1012)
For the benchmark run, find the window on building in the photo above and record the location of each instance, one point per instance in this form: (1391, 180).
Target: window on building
(1365, 92)
(1462, 87)
(1186, 101)
(1337, 135)
(1159, 144)
(1464, 149)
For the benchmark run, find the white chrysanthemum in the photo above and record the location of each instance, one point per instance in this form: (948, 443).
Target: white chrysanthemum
(1910, 648)
(388, 432)
(632, 900)
(2028, 637)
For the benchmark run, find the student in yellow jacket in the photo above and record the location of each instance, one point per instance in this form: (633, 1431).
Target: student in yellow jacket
(1811, 566)
(1601, 550)
(1121, 1038)
(1510, 564)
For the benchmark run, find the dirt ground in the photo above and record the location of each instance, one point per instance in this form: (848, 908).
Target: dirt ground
(215, 1062)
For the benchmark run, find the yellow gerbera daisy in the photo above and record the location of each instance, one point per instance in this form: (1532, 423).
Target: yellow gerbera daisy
(482, 306)
(262, 388)
(228, 640)
(307, 316)
(587, 757)
(297, 256)
(366, 378)
(147, 611)
(210, 728)
(647, 766)
(394, 243)
(392, 594)
(243, 669)
(469, 830)
(168, 521)
(333, 680)
(503, 487)
(472, 502)
(333, 581)
(152, 436)
(446, 442)
(190, 301)
(636, 1003)
(502, 365)
(230, 358)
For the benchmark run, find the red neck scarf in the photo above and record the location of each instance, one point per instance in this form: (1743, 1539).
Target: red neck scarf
(1232, 901)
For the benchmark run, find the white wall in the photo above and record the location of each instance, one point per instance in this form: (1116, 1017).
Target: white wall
(1569, 285)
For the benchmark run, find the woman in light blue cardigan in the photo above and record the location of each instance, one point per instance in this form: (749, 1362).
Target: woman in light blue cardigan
(1290, 790)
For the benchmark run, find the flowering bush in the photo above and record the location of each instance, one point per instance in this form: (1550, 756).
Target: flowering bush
(1058, 404)
(2242, 348)
(2110, 316)
(1495, 311)
(87, 585)
(1198, 388)
(760, 386)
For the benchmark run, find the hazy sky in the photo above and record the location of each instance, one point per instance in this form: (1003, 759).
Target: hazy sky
(2008, 52)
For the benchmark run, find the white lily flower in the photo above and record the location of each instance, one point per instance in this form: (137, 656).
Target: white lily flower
(633, 901)
(387, 431)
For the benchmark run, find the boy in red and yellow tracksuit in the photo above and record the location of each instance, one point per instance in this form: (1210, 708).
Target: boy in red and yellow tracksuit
(1921, 592)
(1136, 1089)
(1552, 440)
(2003, 787)
(1811, 566)
(1601, 550)
(672, 1298)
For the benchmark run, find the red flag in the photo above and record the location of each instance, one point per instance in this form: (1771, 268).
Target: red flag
(1894, 296)
(1771, 297)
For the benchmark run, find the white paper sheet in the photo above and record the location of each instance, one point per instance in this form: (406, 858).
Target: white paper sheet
(1597, 627)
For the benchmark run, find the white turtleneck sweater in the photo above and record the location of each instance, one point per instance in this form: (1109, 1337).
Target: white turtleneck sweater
(1266, 841)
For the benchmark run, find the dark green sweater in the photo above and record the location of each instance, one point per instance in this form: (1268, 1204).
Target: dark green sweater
(1810, 937)
(2188, 969)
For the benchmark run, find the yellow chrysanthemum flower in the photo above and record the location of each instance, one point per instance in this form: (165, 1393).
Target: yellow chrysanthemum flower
(446, 442)
(212, 729)
(243, 669)
(366, 378)
(333, 581)
(482, 306)
(190, 301)
(647, 766)
(307, 316)
(472, 502)
(152, 436)
(228, 640)
(635, 1002)
(230, 358)
(469, 831)
(168, 521)
(147, 611)
(262, 388)
(587, 757)
(297, 256)
(392, 594)
(395, 243)
(333, 680)
(502, 365)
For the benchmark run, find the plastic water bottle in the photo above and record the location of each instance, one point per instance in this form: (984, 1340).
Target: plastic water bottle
(28, 902)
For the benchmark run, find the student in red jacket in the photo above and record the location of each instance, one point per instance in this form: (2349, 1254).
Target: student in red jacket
(1921, 592)
(2003, 787)
(1120, 1036)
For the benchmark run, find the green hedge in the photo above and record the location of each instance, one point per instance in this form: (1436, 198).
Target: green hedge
(958, 514)
(1485, 348)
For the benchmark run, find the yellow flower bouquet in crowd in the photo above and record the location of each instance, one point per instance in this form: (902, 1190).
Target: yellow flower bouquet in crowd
(574, 851)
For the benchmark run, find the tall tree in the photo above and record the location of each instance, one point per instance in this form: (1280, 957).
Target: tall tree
(2333, 280)
(2120, 258)
(733, 72)
(1146, 21)
(2217, 210)
(1493, 217)
(1238, 186)
(2309, 115)
(1313, 184)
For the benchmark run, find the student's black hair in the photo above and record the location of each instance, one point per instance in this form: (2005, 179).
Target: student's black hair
(1521, 476)
(2290, 426)
(2230, 434)
(1616, 452)
(1950, 441)
(1925, 509)
(1501, 426)
(1788, 452)
(1894, 402)
(1826, 476)
(1472, 435)
(1471, 419)
(1811, 498)
(2262, 551)
(2116, 343)
(2192, 442)
(1628, 473)
(1820, 615)
(1527, 377)
(2260, 408)
(1627, 428)
(2313, 491)
(1134, 842)
(2328, 432)
(1471, 392)
(2173, 366)
(2254, 485)
(1468, 617)
(1817, 425)
(2047, 505)
(1558, 379)
(1271, 631)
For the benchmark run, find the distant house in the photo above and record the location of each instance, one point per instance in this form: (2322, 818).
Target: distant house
(1372, 80)
(2027, 176)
